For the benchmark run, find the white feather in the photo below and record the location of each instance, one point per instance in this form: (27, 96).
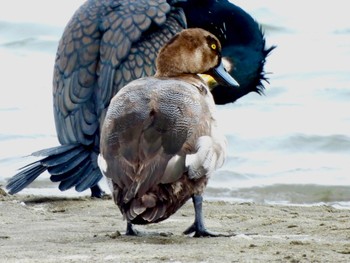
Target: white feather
(102, 164)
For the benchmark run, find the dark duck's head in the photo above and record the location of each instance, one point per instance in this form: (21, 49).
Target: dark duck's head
(243, 44)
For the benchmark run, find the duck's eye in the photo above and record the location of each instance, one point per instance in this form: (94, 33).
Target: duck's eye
(213, 46)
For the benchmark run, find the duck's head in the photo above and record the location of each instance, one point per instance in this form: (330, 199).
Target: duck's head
(193, 51)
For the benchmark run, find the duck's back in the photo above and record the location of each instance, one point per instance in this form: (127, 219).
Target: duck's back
(151, 124)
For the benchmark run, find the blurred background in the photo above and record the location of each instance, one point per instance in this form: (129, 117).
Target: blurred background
(291, 145)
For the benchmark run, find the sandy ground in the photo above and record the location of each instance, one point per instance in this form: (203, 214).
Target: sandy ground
(52, 229)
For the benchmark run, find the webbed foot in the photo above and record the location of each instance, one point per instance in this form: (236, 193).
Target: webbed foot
(97, 192)
(131, 231)
(201, 231)
(198, 227)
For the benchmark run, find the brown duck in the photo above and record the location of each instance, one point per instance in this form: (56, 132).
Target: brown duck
(160, 142)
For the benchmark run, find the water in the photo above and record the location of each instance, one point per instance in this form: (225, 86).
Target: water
(290, 146)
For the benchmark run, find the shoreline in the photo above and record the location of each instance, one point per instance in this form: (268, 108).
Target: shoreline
(81, 229)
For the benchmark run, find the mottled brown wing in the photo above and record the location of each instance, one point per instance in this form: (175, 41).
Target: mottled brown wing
(105, 45)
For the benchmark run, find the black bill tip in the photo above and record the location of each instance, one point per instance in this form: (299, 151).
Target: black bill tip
(220, 74)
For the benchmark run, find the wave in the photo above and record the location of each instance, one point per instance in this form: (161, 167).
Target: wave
(283, 193)
(29, 36)
(8, 137)
(345, 31)
(32, 44)
(307, 143)
(335, 143)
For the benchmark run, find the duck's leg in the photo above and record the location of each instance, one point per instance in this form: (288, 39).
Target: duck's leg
(198, 227)
(96, 191)
(130, 231)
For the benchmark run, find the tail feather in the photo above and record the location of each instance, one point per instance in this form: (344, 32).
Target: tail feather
(71, 165)
(91, 178)
(74, 179)
(62, 157)
(71, 174)
(55, 150)
(25, 177)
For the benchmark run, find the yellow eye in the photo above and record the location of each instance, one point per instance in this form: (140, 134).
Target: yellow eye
(213, 46)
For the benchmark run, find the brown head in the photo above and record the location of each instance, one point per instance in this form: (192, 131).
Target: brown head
(193, 51)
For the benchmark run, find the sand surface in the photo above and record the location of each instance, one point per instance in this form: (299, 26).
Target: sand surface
(53, 229)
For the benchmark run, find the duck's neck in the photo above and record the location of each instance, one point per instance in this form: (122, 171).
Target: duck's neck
(169, 71)
(192, 79)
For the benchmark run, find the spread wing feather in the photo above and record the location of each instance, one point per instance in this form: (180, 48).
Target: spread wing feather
(104, 46)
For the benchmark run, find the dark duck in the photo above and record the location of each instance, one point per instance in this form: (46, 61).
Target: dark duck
(160, 141)
(107, 44)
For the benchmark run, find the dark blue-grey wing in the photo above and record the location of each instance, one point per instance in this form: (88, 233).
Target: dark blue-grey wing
(104, 46)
